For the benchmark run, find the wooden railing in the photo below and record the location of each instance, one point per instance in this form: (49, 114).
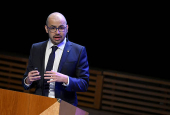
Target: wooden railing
(137, 95)
(12, 70)
(111, 91)
(92, 98)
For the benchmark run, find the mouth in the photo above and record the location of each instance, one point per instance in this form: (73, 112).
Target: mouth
(57, 38)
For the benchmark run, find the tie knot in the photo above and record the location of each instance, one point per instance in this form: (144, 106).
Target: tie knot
(54, 48)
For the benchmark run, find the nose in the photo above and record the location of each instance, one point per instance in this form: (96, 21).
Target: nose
(57, 31)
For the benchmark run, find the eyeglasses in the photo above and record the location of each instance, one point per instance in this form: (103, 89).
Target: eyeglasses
(54, 29)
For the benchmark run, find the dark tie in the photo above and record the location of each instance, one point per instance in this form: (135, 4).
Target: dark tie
(49, 67)
(51, 58)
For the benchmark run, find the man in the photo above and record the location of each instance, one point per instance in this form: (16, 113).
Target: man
(58, 67)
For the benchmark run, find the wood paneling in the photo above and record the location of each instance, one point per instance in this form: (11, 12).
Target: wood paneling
(12, 70)
(131, 94)
(92, 98)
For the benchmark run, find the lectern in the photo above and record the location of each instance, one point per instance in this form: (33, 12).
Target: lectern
(19, 103)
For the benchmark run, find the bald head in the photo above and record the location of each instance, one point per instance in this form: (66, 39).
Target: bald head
(56, 16)
(56, 27)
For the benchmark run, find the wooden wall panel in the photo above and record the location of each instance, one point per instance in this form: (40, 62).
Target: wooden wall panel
(92, 98)
(129, 94)
(12, 70)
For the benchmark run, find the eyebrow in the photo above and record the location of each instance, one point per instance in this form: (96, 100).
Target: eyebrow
(58, 26)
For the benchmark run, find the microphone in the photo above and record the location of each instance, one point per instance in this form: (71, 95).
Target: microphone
(36, 69)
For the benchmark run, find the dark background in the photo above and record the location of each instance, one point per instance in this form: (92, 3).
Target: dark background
(125, 37)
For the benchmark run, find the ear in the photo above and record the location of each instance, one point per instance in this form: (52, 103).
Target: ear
(46, 29)
(67, 28)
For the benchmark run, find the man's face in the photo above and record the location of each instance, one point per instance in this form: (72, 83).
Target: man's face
(56, 36)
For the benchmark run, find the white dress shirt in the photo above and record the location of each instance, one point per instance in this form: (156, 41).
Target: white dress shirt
(58, 54)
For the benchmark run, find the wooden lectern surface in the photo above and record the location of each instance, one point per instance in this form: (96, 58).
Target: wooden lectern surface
(38, 104)
(52, 110)
(12, 103)
(18, 103)
(63, 108)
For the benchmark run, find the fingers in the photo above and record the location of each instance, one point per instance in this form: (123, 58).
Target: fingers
(51, 81)
(49, 77)
(35, 78)
(49, 74)
(34, 73)
(53, 76)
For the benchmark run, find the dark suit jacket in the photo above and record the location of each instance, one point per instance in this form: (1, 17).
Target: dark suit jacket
(73, 63)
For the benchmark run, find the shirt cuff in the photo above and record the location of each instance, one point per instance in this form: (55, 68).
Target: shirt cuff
(67, 83)
(28, 85)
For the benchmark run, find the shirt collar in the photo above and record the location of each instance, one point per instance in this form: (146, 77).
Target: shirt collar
(60, 45)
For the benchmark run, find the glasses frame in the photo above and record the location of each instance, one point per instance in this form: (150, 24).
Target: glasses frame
(56, 29)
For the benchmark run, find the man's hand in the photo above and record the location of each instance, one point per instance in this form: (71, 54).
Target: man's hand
(56, 77)
(32, 76)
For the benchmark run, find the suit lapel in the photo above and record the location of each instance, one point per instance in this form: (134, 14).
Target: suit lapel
(66, 51)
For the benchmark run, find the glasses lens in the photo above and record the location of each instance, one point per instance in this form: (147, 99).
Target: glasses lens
(52, 29)
(61, 29)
